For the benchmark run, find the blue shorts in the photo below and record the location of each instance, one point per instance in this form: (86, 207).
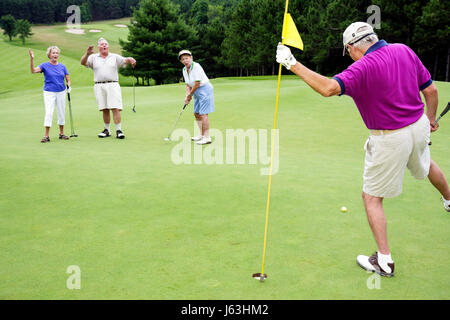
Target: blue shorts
(204, 99)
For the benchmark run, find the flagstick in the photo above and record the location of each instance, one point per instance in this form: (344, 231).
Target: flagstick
(262, 275)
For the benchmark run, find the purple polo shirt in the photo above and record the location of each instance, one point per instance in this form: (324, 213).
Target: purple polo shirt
(385, 85)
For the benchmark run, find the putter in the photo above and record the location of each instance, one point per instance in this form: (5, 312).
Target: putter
(72, 131)
(173, 127)
(440, 116)
(134, 94)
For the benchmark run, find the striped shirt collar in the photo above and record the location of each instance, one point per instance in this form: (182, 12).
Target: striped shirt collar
(192, 67)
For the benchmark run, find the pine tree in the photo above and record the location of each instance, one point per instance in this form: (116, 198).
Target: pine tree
(8, 24)
(431, 36)
(23, 28)
(156, 35)
(236, 47)
(85, 13)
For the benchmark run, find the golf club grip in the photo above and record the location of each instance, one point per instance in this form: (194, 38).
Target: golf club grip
(184, 107)
(68, 94)
(442, 114)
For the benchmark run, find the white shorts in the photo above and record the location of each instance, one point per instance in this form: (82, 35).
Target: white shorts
(388, 155)
(108, 95)
(52, 99)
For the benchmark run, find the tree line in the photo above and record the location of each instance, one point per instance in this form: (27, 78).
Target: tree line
(51, 11)
(239, 37)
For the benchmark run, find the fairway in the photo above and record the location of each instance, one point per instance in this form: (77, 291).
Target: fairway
(140, 226)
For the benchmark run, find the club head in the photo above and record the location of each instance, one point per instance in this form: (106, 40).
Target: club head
(134, 110)
(167, 139)
(73, 135)
(259, 276)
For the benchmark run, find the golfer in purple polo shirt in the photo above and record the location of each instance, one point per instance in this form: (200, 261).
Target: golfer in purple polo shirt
(385, 82)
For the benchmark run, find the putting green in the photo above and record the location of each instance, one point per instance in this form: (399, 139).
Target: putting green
(140, 226)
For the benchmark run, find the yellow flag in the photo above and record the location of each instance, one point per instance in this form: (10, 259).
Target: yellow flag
(290, 35)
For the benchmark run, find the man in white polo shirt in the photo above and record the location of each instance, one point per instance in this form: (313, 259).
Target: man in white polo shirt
(107, 89)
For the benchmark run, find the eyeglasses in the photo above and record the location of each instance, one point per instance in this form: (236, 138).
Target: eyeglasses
(346, 51)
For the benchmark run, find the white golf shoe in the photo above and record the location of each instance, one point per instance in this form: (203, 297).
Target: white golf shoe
(371, 264)
(204, 140)
(197, 138)
(104, 134)
(446, 204)
(119, 134)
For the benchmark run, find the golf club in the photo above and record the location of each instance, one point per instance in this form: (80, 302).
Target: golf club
(134, 94)
(440, 116)
(72, 131)
(173, 127)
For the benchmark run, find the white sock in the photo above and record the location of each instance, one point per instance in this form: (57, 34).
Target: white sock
(383, 260)
(447, 202)
(107, 126)
(119, 126)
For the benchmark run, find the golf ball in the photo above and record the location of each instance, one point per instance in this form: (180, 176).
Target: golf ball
(343, 209)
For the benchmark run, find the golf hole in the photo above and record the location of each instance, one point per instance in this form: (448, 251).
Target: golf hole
(259, 276)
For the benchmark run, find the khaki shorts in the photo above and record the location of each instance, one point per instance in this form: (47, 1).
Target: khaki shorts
(108, 95)
(388, 155)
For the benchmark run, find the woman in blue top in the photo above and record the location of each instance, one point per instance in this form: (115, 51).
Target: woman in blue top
(54, 89)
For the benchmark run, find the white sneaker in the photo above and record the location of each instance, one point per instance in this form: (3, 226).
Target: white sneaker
(446, 204)
(371, 264)
(197, 138)
(105, 133)
(204, 140)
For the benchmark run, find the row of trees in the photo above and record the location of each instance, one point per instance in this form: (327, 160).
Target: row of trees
(50, 11)
(12, 27)
(238, 37)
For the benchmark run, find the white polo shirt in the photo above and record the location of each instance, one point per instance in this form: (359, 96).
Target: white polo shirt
(196, 73)
(105, 69)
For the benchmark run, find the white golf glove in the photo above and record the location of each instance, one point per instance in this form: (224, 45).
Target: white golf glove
(285, 57)
(69, 89)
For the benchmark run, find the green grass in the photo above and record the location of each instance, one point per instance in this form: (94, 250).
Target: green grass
(72, 43)
(141, 227)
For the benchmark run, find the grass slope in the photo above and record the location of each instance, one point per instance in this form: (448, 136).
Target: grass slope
(141, 227)
(15, 56)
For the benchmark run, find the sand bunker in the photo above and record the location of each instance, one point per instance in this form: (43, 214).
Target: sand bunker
(75, 31)
(95, 30)
(120, 26)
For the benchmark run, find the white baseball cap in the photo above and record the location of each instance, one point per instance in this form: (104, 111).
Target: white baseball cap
(355, 32)
(184, 52)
